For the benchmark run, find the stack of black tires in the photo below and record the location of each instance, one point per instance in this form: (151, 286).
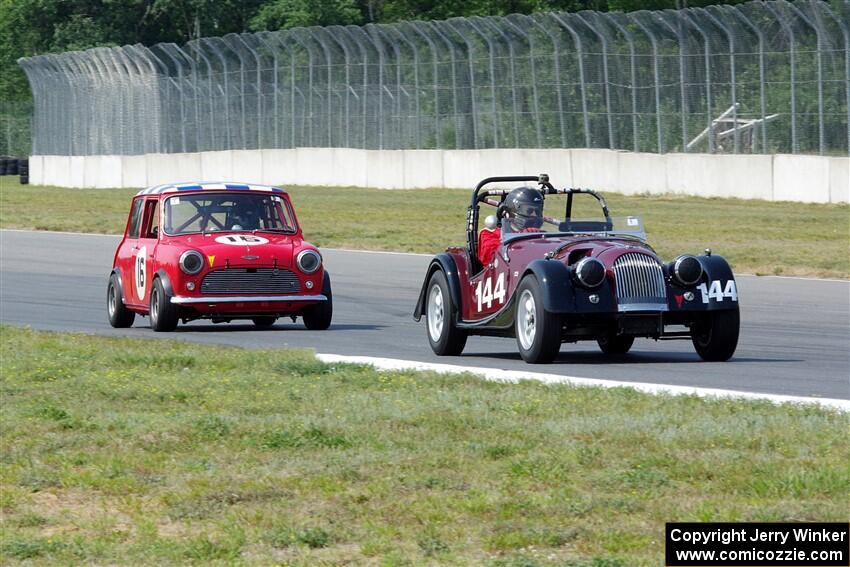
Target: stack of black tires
(16, 166)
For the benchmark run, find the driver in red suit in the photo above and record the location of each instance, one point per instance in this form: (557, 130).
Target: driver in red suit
(523, 208)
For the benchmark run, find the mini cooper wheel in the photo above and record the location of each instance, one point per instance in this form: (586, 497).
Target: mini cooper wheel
(163, 313)
(318, 317)
(716, 338)
(538, 332)
(614, 344)
(119, 316)
(264, 322)
(445, 338)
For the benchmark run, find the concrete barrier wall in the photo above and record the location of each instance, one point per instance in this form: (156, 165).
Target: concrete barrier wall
(812, 179)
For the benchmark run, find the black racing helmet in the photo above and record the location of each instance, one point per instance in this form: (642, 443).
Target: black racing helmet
(525, 207)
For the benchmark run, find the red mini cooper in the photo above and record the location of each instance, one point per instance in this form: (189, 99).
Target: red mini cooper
(219, 251)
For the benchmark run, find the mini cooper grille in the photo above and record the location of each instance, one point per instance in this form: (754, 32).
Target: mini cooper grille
(640, 280)
(267, 281)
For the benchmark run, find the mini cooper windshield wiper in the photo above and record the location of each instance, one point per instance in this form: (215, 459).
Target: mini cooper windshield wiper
(278, 230)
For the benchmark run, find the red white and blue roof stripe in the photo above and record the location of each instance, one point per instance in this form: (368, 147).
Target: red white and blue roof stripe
(218, 186)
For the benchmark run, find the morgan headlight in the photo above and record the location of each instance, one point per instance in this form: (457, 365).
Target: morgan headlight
(686, 270)
(191, 262)
(308, 261)
(589, 272)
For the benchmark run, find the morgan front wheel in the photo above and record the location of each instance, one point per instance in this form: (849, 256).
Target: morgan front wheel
(119, 316)
(716, 338)
(538, 332)
(163, 313)
(445, 338)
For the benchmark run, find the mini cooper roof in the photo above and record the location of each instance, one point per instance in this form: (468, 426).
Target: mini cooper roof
(217, 186)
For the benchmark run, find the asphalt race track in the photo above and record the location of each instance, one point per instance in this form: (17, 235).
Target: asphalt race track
(795, 337)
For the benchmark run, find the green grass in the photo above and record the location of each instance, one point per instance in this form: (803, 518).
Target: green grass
(755, 236)
(126, 451)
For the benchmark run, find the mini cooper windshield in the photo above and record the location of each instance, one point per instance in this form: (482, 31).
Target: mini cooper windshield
(219, 212)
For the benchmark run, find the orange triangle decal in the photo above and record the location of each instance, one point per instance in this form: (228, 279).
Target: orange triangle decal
(211, 259)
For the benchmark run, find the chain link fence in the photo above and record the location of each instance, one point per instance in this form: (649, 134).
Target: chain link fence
(15, 132)
(760, 77)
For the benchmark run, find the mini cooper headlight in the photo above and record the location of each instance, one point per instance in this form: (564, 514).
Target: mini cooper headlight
(686, 270)
(589, 272)
(191, 262)
(308, 261)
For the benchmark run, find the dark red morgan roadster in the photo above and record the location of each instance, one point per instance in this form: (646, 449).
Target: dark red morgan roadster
(547, 279)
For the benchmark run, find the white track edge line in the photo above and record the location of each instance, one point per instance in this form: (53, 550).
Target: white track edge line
(500, 375)
(354, 250)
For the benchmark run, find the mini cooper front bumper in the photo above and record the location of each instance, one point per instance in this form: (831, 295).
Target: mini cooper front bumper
(212, 300)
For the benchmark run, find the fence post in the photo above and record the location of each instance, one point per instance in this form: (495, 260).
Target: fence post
(347, 55)
(790, 32)
(433, 47)
(762, 95)
(633, 74)
(656, 80)
(604, 42)
(380, 32)
(821, 141)
(179, 67)
(535, 100)
(450, 45)
(580, 57)
(687, 16)
(356, 33)
(196, 47)
(263, 37)
(471, 67)
(491, 48)
(683, 41)
(556, 60)
(415, 51)
(733, 79)
(845, 31)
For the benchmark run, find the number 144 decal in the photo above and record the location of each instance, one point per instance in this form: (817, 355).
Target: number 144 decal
(489, 293)
(714, 291)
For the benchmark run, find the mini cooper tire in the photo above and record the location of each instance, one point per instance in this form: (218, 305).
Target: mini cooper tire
(318, 317)
(716, 338)
(538, 332)
(119, 316)
(264, 322)
(615, 344)
(163, 313)
(444, 337)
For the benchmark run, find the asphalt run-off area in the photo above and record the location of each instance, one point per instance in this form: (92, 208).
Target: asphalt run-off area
(794, 337)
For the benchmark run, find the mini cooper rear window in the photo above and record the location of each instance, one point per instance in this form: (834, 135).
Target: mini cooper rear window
(220, 212)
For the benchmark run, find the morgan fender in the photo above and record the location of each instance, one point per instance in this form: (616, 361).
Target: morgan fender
(727, 536)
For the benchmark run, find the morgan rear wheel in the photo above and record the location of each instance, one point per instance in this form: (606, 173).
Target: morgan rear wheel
(163, 313)
(613, 344)
(716, 338)
(538, 332)
(445, 338)
(318, 317)
(119, 316)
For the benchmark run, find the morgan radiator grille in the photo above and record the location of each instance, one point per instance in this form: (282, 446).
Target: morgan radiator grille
(640, 283)
(266, 281)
